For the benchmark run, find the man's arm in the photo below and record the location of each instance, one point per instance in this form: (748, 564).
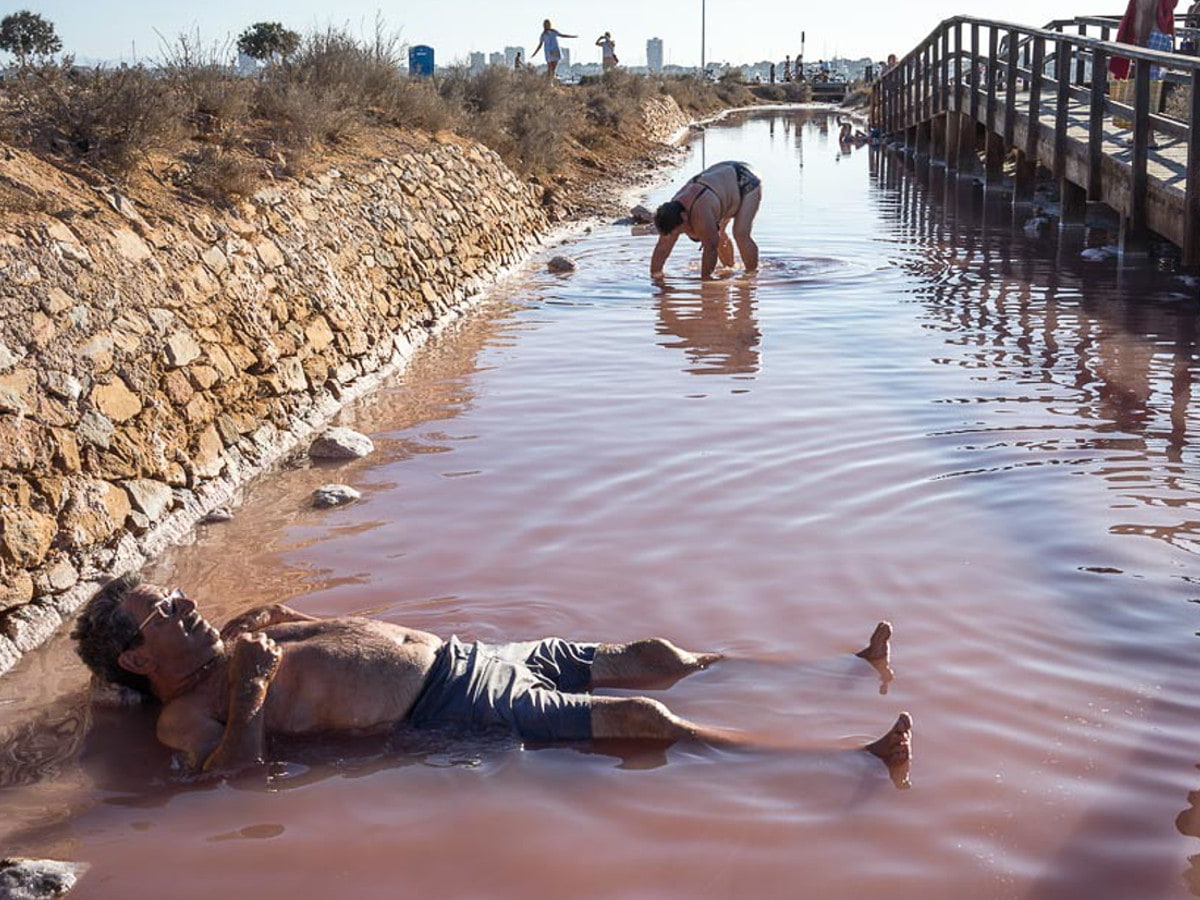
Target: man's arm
(658, 259)
(211, 747)
(261, 617)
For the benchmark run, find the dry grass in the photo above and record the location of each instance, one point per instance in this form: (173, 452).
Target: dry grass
(225, 130)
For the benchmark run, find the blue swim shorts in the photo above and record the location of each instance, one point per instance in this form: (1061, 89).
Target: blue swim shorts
(534, 689)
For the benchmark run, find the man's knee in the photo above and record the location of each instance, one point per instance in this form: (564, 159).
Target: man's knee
(640, 718)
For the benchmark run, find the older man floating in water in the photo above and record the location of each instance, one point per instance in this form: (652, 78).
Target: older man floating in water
(273, 671)
(724, 192)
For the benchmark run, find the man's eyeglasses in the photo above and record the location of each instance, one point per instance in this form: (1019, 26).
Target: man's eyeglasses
(164, 607)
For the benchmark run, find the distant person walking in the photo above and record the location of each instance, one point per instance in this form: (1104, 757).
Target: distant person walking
(1191, 43)
(1149, 24)
(517, 64)
(549, 40)
(608, 51)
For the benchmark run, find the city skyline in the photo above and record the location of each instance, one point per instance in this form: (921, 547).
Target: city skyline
(139, 30)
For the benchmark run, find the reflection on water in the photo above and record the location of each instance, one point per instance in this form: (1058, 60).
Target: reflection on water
(916, 410)
(713, 324)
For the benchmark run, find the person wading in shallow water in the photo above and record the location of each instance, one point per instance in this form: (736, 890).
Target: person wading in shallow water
(724, 192)
(273, 671)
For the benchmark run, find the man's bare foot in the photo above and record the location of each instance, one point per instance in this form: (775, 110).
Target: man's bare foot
(895, 747)
(879, 648)
(704, 660)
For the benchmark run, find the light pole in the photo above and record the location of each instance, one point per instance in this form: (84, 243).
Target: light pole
(703, 70)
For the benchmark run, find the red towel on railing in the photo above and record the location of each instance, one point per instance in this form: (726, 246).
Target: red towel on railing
(1164, 21)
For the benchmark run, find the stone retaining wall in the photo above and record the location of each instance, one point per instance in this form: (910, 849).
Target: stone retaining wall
(150, 363)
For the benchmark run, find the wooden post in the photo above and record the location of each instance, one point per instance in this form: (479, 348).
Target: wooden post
(1062, 66)
(1032, 132)
(1074, 202)
(994, 161)
(1079, 57)
(967, 162)
(1139, 185)
(975, 105)
(1191, 224)
(992, 70)
(1024, 177)
(1096, 122)
(958, 67)
(1010, 86)
(953, 124)
(937, 137)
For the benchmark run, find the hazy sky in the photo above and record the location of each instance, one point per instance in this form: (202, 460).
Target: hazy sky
(736, 31)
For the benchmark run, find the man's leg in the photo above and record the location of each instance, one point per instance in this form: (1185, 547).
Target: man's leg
(645, 719)
(742, 224)
(653, 662)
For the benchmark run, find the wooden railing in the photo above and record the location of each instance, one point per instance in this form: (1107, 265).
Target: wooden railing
(995, 73)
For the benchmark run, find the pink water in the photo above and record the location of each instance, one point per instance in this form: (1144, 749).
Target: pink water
(914, 412)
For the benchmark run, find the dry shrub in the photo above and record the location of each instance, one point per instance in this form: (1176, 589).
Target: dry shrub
(613, 105)
(213, 99)
(110, 118)
(299, 116)
(221, 175)
(519, 114)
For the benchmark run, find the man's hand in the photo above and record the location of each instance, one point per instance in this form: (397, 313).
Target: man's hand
(255, 657)
(260, 618)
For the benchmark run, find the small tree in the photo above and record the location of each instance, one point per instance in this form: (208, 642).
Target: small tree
(25, 34)
(264, 40)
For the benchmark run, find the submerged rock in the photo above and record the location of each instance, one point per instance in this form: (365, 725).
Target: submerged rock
(341, 443)
(331, 495)
(1099, 254)
(641, 215)
(560, 265)
(215, 516)
(37, 879)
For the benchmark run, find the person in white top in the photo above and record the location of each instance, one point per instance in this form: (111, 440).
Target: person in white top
(608, 49)
(549, 40)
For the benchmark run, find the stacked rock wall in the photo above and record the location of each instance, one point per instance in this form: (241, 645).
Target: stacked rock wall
(149, 362)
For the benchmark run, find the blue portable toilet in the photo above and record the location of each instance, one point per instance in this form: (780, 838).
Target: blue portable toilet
(420, 60)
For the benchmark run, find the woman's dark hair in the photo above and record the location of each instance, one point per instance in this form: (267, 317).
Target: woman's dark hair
(103, 632)
(669, 216)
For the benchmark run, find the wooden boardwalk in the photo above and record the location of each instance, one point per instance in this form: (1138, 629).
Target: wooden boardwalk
(979, 88)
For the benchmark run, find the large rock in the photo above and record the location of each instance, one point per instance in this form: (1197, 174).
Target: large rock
(116, 401)
(330, 495)
(341, 443)
(25, 536)
(37, 879)
(151, 497)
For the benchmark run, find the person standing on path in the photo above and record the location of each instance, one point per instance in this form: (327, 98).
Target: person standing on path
(608, 51)
(549, 40)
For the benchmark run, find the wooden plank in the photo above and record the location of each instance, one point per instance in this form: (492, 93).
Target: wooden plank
(975, 71)
(1079, 69)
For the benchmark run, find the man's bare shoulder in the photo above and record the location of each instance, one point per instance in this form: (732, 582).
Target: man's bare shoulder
(187, 723)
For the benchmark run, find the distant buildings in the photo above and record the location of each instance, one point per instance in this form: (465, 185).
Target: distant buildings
(479, 61)
(654, 55)
(496, 59)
